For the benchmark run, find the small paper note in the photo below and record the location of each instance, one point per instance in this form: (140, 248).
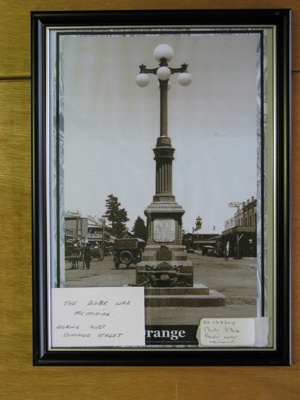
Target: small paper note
(97, 317)
(226, 332)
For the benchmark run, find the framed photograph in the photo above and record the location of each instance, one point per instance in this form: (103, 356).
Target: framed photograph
(161, 187)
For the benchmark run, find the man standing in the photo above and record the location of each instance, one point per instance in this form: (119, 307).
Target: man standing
(87, 256)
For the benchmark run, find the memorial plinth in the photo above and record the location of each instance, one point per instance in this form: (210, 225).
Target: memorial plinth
(164, 215)
(165, 271)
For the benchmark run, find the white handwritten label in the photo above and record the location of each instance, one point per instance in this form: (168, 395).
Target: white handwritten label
(98, 317)
(226, 332)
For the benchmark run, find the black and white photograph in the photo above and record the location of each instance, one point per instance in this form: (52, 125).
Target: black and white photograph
(161, 144)
(160, 181)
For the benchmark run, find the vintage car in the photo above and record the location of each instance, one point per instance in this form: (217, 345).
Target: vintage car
(209, 251)
(128, 251)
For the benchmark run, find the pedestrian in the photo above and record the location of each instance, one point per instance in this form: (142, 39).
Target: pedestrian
(87, 256)
(226, 254)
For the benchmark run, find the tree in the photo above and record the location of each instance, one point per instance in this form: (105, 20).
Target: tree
(139, 229)
(116, 216)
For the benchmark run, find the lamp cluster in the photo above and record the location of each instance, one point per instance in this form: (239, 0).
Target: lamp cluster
(163, 54)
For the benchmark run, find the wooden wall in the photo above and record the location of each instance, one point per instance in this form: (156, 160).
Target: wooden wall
(18, 378)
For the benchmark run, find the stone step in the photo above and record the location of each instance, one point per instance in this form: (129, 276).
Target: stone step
(197, 289)
(213, 299)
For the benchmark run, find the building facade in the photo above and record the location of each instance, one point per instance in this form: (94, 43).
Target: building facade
(240, 234)
(82, 230)
(239, 238)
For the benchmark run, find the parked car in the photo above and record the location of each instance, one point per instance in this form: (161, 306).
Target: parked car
(128, 251)
(209, 251)
(190, 250)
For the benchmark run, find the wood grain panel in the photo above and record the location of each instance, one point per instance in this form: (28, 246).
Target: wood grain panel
(296, 217)
(15, 22)
(18, 378)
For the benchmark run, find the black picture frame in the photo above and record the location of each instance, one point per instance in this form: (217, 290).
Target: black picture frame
(278, 22)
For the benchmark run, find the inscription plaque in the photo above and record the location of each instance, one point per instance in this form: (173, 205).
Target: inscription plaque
(164, 230)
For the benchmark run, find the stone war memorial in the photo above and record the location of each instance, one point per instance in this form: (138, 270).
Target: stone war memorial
(165, 271)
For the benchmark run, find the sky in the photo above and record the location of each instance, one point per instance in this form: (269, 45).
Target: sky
(111, 124)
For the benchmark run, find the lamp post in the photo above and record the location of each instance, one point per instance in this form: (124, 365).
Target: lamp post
(103, 234)
(164, 215)
(163, 54)
(163, 151)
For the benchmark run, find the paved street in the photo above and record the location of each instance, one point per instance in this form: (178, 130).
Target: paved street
(235, 279)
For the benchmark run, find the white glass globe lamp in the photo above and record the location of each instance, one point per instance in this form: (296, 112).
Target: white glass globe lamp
(163, 51)
(163, 73)
(184, 79)
(142, 80)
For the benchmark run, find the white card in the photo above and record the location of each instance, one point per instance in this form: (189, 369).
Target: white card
(98, 317)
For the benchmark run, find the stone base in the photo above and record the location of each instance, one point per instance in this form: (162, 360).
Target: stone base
(173, 263)
(164, 277)
(198, 289)
(183, 297)
(152, 253)
(168, 281)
